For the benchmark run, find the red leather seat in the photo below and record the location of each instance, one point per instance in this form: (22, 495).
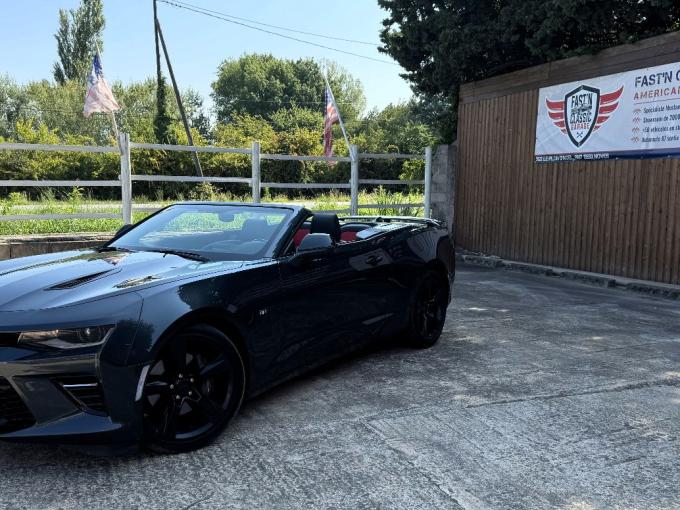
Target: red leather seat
(300, 235)
(346, 237)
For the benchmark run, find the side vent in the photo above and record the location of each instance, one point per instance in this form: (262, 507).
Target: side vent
(14, 415)
(85, 391)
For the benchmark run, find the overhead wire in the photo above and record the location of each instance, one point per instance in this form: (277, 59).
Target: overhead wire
(278, 27)
(271, 32)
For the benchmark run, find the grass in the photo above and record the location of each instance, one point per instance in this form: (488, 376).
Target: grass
(74, 202)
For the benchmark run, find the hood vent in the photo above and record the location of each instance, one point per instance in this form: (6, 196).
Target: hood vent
(71, 284)
(9, 339)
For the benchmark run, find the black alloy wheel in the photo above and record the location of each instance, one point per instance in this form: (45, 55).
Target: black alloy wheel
(192, 390)
(428, 310)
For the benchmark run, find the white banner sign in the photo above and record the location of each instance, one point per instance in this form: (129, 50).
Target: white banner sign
(627, 115)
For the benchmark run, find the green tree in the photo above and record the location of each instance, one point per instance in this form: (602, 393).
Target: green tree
(13, 105)
(442, 44)
(196, 114)
(80, 30)
(60, 108)
(395, 128)
(295, 117)
(162, 120)
(263, 84)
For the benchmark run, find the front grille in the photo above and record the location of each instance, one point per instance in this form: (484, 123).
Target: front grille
(9, 339)
(86, 392)
(14, 415)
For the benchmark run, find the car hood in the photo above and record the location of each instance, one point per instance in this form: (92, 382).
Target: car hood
(56, 280)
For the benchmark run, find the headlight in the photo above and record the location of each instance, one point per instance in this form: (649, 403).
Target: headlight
(67, 338)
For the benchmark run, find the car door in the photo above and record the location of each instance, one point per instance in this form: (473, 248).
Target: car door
(333, 302)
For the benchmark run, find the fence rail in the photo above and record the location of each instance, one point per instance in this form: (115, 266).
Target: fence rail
(127, 178)
(188, 148)
(183, 178)
(57, 148)
(74, 216)
(56, 184)
(304, 185)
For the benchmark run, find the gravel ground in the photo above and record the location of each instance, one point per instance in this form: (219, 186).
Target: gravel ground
(542, 393)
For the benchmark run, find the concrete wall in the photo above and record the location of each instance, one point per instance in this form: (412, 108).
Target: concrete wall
(443, 184)
(15, 247)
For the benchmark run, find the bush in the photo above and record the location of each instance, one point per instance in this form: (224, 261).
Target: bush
(203, 192)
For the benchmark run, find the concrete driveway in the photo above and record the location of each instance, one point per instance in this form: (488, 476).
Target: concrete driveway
(541, 394)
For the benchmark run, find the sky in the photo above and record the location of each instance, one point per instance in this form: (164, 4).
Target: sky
(198, 44)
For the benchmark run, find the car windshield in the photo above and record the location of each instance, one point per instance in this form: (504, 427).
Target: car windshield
(210, 232)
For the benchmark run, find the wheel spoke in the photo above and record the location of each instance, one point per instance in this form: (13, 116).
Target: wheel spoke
(207, 406)
(168, 428)
(197, 361)
(213, 368)
(157, 388)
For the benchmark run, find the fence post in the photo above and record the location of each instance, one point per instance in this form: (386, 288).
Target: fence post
(256, 172)
(354, 180)
(125, 177)
(428, 183)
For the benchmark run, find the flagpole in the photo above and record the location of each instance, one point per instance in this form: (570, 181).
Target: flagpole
(335, 105)
(113, 115)
(115, 124)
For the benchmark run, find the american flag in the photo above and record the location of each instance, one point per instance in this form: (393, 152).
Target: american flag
(331, 117)
(99, 97)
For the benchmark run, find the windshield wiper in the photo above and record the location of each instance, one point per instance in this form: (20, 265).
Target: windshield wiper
(184, 254)
(103, 249)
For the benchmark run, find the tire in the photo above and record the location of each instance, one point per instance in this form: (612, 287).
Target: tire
(427, 311)
(192, 390)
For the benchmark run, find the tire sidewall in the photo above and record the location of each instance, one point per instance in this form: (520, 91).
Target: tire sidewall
(415, 338)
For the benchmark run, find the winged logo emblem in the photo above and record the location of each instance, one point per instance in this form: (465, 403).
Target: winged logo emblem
(582, 112)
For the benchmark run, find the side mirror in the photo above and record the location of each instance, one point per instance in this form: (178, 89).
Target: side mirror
(123, 230)
(315, 243)
(311, 245)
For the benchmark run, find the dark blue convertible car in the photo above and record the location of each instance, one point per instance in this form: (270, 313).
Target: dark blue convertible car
(157, 337)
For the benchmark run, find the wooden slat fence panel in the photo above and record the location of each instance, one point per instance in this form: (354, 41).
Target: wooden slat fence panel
(618, 217)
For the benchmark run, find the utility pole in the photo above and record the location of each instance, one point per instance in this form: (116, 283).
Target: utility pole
(160, 122)
(159, 36)
(158, 50)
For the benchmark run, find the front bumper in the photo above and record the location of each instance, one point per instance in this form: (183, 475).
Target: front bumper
(86, 396)
(66, 399)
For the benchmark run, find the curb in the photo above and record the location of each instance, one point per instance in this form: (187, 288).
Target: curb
(664, 290)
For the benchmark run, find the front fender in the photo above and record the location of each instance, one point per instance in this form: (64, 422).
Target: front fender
(235, 296)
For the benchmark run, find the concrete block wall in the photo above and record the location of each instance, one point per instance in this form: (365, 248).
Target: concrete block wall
(25, 246)
(443, 184)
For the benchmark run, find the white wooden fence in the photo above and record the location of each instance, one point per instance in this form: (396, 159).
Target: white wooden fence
(126, 177)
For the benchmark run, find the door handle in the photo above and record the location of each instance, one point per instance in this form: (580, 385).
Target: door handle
(374, 260)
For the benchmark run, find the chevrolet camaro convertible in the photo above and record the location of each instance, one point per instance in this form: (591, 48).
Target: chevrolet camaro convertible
(157, 337)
